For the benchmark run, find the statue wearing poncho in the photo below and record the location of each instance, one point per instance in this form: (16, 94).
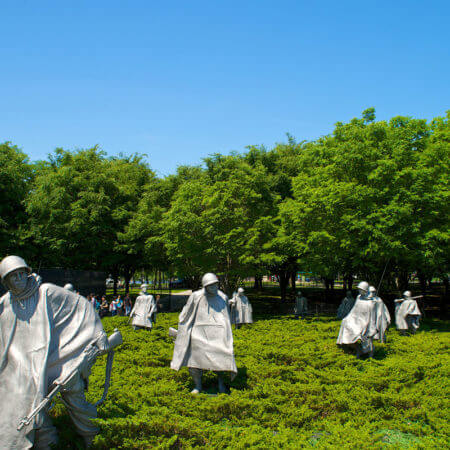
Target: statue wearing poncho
(241, 309)
(407, 313)
(346, 305)
(359, 327)
(383, 318)
(44, 331)
(143, 309)
(301, 305)
(205, 340)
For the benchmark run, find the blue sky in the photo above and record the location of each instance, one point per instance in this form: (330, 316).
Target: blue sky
(178, 80)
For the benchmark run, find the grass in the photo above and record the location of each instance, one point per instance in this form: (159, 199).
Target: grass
(295, 388)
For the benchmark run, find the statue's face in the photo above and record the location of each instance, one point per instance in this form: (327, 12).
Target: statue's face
(144, 288)
(362, 292)
(212, 289)
(17, 280)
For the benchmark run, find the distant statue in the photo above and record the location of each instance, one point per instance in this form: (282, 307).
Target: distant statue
(204, 340)
(50, 339)
(241, 309)
(383, 317)
(346, 305)
(407, 313)
(359, 327)
(301, 305)
(143, 309)
(69, 287)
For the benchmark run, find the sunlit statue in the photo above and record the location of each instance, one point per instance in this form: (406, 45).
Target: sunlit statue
(383, 317)
(50, 338)
(143, 309)
(241, 309)
(69, 287)
(359, 327)
(204, 340)
(301, 305)
(407, 313)
(346, 305)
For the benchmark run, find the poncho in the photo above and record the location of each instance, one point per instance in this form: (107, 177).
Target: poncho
(205, 340)
(359, 325)
(383, 319)
(407, 314)
(241, 310)
(42, 337)
(142, 311)
(345, 307)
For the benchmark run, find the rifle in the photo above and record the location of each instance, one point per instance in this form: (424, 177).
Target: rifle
(113, 341)
(409, 298)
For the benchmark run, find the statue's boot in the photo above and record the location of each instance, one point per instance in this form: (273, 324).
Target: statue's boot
(196, 375)
(221, 383)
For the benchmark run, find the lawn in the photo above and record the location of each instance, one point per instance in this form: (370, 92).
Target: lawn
(295, 388)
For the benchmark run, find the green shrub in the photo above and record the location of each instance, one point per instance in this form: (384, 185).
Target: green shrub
(295, 388)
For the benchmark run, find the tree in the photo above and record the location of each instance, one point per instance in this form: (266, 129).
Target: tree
(15, 180)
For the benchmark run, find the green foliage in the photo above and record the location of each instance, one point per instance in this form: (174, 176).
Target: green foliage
(15, 177)
(294, 388)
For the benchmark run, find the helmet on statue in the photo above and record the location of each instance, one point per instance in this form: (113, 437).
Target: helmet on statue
(209, 278)
(240, 290)
(363, 286)
(69, 287)
(372, 289)
(12, 263)
(407, 294)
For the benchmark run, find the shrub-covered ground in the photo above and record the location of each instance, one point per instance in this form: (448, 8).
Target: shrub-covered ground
(295, 388)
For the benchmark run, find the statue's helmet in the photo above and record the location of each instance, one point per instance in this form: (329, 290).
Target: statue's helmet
(363, 286)
(144, 286)
(208, 279)
(407, 294)
(299, 293)
(240, 290)
(12, 263)
(69, 287)
(372, 289)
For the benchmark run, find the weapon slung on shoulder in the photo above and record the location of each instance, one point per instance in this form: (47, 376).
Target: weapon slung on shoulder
(113, 341)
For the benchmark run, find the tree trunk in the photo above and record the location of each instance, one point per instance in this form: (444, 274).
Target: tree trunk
(283, 278)
(402, 281)
(128, 273)
(258, 282)
(293, 277)
(445, 297)
(115, 275)
(422, 281)
(348, 281)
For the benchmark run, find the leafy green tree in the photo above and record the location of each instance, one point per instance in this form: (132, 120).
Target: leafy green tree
(15, 182)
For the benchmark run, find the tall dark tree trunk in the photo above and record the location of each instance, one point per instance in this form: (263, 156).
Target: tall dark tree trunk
(445, 297)
(422, 281)
(348, 281)
(115, 275)
(258, 282)
(402, 281)
(283, 277)
(127, 273)
(293, 278)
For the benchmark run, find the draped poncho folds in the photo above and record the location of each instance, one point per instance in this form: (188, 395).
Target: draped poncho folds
(241, 311)
(142, 311)
(407, 314)
(205, 340)
(42, 337)
(360, 324)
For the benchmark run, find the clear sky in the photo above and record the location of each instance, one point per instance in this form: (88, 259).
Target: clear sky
(178, 80)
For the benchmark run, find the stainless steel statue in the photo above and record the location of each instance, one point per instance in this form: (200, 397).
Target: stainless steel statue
(359, 327)
(346, 305)
(50, 338)
(301, 305)
(241, 309)
(383, 318)
(69, 287)
(143, 309)
(204, 340)
(407, 313)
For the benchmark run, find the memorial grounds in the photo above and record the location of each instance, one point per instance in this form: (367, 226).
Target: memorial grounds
(295, 388)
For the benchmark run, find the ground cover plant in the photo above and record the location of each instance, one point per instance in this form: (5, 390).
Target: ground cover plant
(294, 388)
